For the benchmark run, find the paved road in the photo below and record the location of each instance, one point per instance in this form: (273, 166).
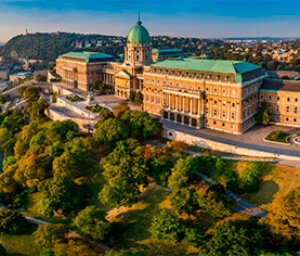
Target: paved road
(252, 139)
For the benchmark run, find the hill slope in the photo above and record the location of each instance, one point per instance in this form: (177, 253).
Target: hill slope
(46, 46)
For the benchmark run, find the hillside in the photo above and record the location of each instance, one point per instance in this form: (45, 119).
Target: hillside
(47, 46)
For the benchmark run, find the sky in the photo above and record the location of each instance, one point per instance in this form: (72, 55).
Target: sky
(188, 18)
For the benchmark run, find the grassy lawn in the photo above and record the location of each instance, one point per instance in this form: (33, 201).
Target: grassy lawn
(21, 244)
(278, 136)
(136, 220)
(276, 180)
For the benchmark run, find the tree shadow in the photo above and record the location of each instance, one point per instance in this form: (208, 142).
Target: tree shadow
(135, 222)
(266, 193)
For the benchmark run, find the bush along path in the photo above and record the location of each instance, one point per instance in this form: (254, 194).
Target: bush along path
(243, 206)
(71, 234)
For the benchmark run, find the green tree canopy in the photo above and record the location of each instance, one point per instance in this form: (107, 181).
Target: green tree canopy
(91, 222)
(123, 171)
(234, 238)
(264, 114)
(47, 235)
(111, 131)
(166, 226)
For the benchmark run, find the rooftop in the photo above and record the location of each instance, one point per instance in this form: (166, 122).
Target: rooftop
(218, 66)
(88, 56)
(281, 85)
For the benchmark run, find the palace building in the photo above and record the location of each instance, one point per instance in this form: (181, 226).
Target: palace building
(218, 94)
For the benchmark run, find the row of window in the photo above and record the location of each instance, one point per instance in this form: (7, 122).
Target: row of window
(215, 113)
(287, 119)
(215, 123)
(288, 99)
(191, 74)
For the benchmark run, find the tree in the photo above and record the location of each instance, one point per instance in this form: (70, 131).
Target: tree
(120, 109)
(142, 126)
(47, 235)
(124, 170)
(34, 168)
(7, 181)
(111, 131)
(100, 86)
(166, 226)
(284, 219)
(185, 201)
(12, 222)
(264, 114)
(194, 236)
(36, 109)
(214, 207)
(61, 194)
(250, 178)
(73, 163)
(104, 114)
(234, 238)
(183, 173)
(91, 222)
(219, 165)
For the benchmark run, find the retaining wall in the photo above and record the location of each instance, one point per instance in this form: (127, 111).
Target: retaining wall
(219, 146)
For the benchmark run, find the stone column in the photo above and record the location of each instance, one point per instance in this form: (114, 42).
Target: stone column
(176, 102)
(191, 105)
(169, 100)
(183, 104)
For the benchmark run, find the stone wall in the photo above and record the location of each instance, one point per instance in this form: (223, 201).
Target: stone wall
(82, 123)
(219, 146)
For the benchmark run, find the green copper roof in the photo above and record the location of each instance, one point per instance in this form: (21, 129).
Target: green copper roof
(138, 34)
(87, 56)
(167, 50)
(218, 66)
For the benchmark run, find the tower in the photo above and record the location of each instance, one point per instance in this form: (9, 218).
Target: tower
(138, 50)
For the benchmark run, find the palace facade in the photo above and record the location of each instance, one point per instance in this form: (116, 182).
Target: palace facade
(217, 94)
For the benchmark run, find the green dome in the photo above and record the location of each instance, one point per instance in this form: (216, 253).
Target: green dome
(138, 34)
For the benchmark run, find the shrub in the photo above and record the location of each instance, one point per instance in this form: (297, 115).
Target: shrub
(94, 109)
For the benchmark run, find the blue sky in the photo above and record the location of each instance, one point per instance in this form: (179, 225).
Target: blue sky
(198, 18)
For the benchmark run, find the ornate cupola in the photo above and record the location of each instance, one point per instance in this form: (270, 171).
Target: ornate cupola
(138, 50)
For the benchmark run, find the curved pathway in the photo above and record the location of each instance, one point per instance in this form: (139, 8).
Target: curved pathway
(244, 206)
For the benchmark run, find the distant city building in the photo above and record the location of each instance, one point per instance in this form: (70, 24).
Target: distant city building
(17, 77)
(4, 74)
(282, 74)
